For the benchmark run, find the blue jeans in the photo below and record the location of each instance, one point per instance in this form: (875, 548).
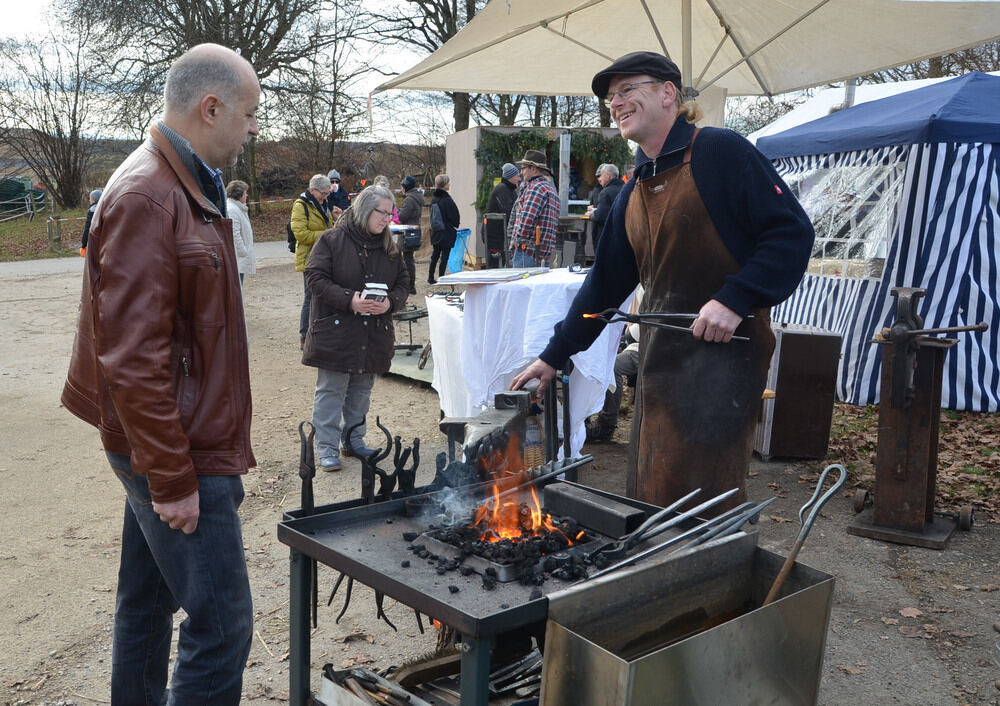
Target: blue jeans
(522, 259)
(304, 316)
(204, 573)
(340, 402)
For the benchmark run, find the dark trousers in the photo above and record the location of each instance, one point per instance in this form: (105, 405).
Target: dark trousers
(411, 267)
(442, 252)
(162, 570)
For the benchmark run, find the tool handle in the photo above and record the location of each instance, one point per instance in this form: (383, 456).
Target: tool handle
(359, 691)
(786, 569)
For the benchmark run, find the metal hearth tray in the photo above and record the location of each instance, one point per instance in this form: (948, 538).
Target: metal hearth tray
(504, 572)
(366, 542)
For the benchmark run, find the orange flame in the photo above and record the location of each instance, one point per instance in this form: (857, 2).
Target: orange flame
(517, 516)
(507, 518)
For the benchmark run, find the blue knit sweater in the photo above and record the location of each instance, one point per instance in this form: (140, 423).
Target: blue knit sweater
(760, 222)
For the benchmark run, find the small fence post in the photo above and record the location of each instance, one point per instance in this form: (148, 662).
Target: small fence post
(54, 227)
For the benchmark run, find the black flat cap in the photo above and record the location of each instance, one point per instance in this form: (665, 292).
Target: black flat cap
(637, 63)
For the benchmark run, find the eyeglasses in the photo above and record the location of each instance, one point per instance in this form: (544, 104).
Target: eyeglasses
(322, 194)
(335, 181)
(625, 91)
(384, 214)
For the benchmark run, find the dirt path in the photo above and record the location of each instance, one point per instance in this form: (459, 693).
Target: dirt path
(62, 510)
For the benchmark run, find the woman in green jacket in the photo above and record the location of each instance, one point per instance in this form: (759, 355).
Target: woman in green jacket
(310, 218)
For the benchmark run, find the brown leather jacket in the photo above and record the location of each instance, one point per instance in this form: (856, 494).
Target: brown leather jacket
(160, 363)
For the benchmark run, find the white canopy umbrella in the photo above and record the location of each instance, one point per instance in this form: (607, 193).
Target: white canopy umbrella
(748, 47)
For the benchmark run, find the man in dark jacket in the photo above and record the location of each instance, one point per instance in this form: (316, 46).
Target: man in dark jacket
(160, 367)
(716, 238)
(501, 201)
(338, 197)
(409, 215)
(610, 186)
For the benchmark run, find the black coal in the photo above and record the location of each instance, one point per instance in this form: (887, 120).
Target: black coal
(534, 556)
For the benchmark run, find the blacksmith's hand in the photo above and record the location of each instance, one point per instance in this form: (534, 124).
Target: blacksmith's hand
(538, 370)
(180, 514)
(716, 323)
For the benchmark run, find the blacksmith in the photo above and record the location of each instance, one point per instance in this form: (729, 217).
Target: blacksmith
(708, 228)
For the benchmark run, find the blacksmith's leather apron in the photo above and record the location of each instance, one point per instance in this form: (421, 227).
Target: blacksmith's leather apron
(696, 402)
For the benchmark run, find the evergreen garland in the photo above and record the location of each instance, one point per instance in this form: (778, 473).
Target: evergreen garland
(586, 147)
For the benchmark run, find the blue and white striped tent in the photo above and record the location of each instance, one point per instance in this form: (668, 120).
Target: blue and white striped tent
(903, 191)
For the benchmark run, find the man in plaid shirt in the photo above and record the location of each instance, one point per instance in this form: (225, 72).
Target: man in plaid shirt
(534, 235)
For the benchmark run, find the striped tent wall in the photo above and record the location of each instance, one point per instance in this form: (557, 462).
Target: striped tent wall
(945, 241)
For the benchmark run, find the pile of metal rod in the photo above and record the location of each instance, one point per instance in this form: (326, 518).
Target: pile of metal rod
(726, 523)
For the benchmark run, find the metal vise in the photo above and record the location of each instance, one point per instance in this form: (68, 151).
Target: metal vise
(909, 417)
(907, 337)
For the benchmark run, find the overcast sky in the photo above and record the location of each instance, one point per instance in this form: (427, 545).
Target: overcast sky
(20, 19)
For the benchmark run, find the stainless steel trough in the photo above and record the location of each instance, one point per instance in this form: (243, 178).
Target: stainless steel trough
(689, 631)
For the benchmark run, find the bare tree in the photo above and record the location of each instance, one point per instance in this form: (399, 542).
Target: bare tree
(746, 114)
(273, 35)
(426, 25)
(48, 111)
(500, 108)
(319, 103)
(985, 57)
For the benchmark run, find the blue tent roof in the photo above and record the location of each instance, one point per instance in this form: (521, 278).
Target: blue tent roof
(964, 109)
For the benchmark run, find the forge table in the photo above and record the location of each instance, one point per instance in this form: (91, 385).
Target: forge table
(366, 543)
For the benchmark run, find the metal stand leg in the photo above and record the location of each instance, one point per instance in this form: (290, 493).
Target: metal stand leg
(567, 424)
(475, 671)
(298, 631)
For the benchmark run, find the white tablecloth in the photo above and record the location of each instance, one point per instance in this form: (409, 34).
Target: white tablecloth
(503, 328)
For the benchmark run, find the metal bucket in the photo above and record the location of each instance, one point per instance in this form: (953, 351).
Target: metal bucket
(689, 630)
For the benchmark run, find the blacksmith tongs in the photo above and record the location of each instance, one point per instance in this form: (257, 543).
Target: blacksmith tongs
(657, 320)
(812, 506)
(656, 525)
(307, 471)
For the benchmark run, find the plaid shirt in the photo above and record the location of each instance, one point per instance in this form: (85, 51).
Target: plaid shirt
(537, 208)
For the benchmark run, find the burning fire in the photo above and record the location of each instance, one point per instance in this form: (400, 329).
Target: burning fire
(506, 518)
(509, 514)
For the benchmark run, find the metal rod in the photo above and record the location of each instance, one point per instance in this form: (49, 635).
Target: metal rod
(668, 543)
(551, 419)
(687, 514)
(558, 468)
(653, 519)
(298, 630)
(653, 319)
(566, 425)
(732, 525)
